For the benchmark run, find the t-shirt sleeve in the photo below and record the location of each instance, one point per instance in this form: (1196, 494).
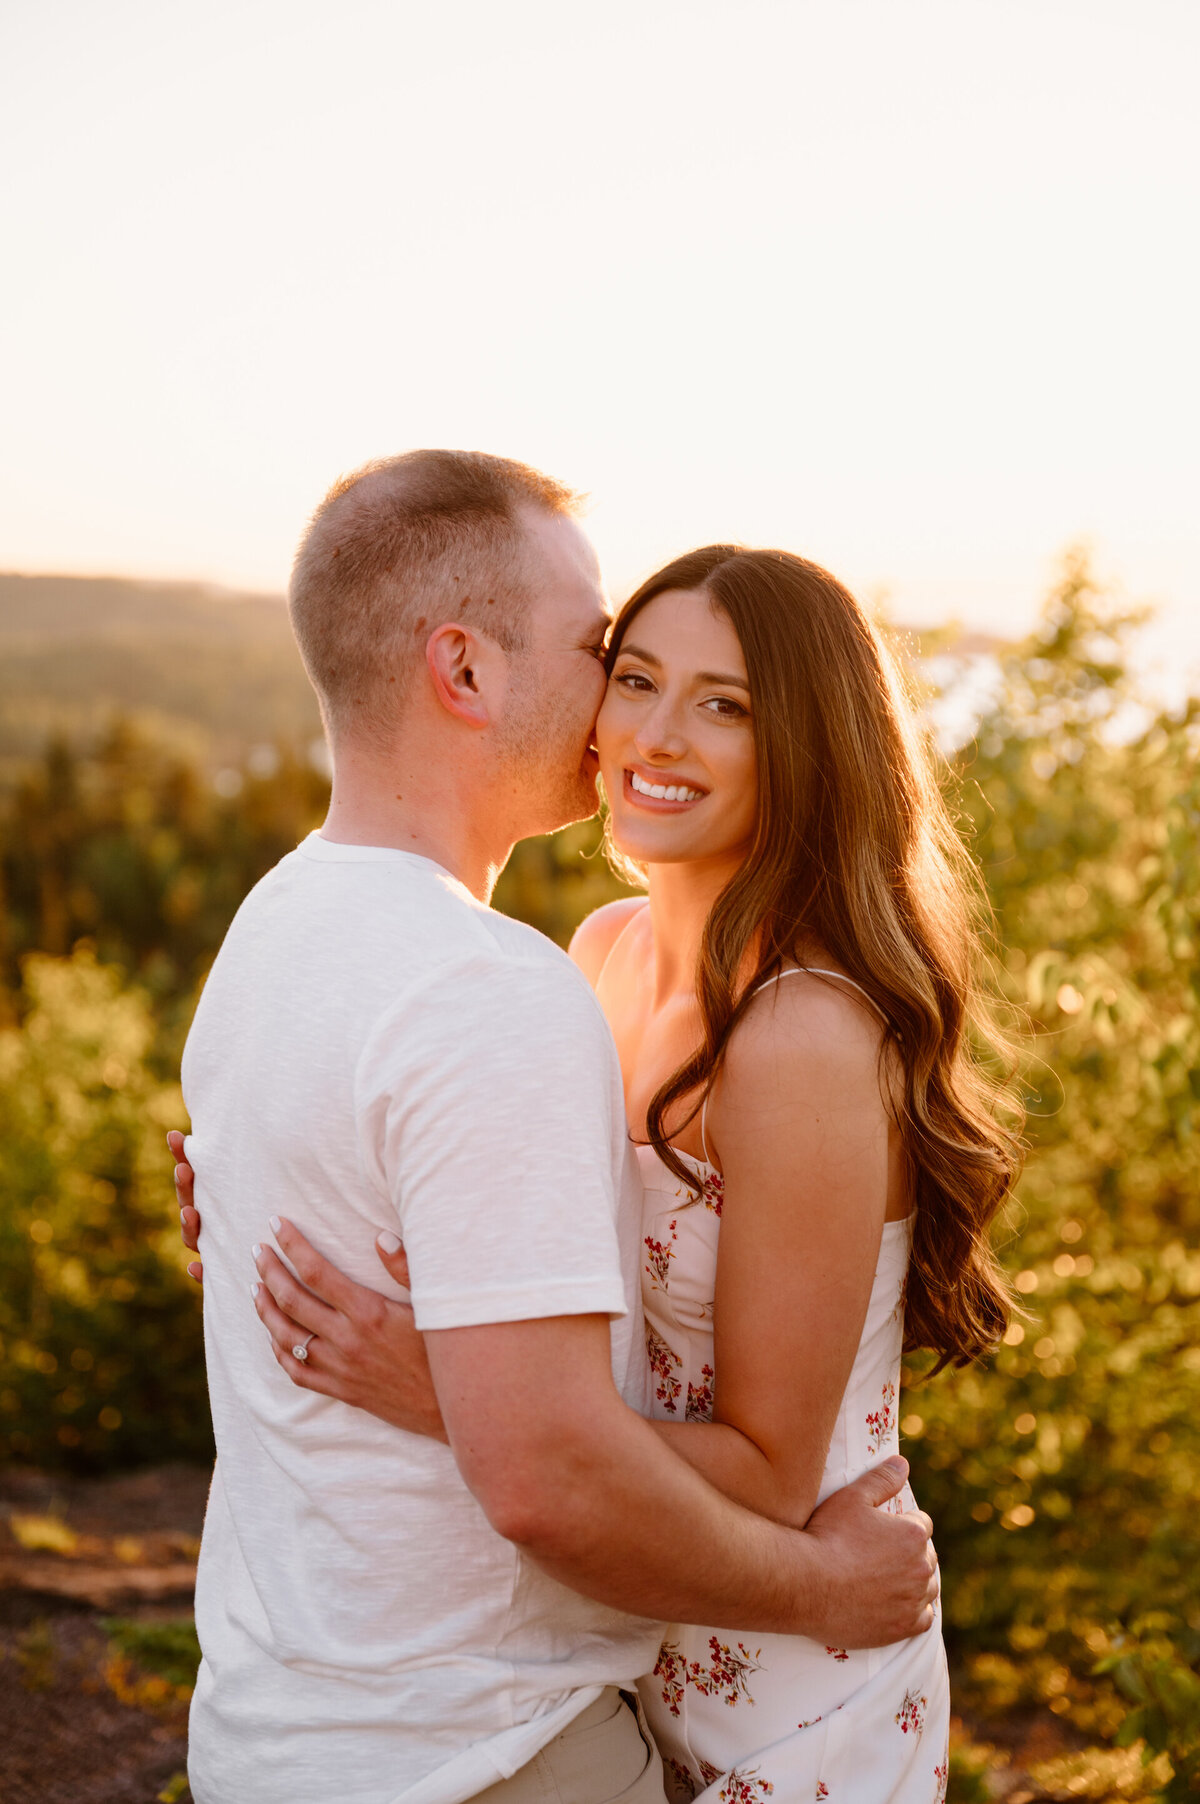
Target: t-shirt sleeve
(486, 1103)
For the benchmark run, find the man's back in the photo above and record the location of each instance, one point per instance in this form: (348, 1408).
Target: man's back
(376, 1050)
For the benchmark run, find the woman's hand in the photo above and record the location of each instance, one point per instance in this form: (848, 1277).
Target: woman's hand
(189, 1215)
(360, 1347)
(363, 1348)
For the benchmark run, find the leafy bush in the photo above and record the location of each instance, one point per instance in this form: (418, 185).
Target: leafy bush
(1062, 1477)
(101, 1355)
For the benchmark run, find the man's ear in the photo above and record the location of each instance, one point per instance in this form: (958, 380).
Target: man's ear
(460, 663)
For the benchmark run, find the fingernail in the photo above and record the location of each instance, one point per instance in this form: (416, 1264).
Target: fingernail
(254, 1290)
(255, 1251)
(389, 1242)
(182, 1219)
(275, 1224)
(178, 1169)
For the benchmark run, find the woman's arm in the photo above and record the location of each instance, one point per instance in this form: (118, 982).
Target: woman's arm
(803, 1137)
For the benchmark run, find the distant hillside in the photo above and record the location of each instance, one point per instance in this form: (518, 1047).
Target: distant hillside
(215, 671)
(209, 670)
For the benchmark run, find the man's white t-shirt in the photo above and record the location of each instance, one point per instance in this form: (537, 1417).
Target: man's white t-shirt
(375, 1049)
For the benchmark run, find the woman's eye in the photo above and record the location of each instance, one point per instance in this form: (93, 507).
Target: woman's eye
(726, 707)
(633, 679)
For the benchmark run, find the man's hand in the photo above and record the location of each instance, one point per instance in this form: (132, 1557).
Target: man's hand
(881, 1571)
(362, 1348)
(189, 1215)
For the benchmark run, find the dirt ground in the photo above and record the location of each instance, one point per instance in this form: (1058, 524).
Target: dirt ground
(78, 1723)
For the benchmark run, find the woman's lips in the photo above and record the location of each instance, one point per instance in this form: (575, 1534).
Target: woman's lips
(661, 804)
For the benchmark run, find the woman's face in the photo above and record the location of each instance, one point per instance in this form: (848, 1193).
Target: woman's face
(674, 736)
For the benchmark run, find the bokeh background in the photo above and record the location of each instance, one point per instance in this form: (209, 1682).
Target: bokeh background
(910, 290)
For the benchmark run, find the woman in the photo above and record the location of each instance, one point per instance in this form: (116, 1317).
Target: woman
(791, 1006)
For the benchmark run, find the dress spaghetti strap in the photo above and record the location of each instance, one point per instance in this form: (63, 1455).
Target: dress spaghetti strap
(791, 971)
(703, 1140)
(819, 971)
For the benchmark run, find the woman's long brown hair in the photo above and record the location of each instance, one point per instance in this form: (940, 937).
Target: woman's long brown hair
(854, 851)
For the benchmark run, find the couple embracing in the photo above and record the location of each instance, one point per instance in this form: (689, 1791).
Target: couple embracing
(584, 1285)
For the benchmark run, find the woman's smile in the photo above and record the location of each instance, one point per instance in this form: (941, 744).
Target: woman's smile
(660, 790)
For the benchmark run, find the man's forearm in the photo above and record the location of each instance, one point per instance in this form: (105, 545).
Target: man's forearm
(593, 1494)
(629, 1523)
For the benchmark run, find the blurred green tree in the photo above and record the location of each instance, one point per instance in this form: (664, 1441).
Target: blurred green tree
(1062, 1477)
(101, 1354)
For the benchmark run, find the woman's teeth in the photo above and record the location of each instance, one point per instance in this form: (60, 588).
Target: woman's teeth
(664, 792)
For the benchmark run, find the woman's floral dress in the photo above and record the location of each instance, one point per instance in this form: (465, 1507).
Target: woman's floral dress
(740, 1717)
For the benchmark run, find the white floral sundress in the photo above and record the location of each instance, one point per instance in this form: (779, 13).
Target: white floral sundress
(740, 1717)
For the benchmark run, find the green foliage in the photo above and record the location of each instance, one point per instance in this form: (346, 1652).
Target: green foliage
(101, 1358)
(130, 846)
(168, 1650)
(1062, 1477)
(1159, 1673)
(554, 882)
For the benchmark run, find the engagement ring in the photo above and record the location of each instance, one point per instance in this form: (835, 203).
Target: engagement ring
(300, 1350)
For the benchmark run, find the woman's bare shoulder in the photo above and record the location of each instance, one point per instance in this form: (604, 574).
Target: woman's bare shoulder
(596, 936)
(805, 1030)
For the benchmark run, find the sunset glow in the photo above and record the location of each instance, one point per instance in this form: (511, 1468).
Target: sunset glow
(911, 290)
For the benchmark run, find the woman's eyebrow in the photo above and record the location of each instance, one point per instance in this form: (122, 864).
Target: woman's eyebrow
(702, 676)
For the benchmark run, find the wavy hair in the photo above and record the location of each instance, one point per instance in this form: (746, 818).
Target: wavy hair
(854, 850)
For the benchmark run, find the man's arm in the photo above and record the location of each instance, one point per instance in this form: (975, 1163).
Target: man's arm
(590, 1492)
(580, 1482)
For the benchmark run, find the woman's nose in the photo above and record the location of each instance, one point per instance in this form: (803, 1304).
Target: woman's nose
(659, 733)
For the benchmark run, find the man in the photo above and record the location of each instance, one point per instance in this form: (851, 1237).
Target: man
(385, 1617)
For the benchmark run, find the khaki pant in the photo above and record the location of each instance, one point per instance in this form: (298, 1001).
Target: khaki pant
(606, 1756)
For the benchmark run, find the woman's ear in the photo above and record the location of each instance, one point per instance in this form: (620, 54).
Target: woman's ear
(460, 665)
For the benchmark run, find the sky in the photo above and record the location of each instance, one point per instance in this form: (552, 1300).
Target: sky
(910, 289)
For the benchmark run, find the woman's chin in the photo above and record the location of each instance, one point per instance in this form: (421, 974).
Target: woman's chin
(650, 844)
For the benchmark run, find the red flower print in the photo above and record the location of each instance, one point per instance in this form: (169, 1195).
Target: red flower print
(727, 1674)
(700, 1398)
(708, 1772)
(744, 1788)
(671, 1668)
(839, 1653)
(882, 1420)
(682, 1783)
(661, 1254)
(813, 1720)
(712, 1192)
(725, 1677)
(822, 1790)
(664, 1364)
(911, 1714)
(941, 1776)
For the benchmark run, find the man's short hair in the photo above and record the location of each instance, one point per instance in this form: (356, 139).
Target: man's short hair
(396, 549)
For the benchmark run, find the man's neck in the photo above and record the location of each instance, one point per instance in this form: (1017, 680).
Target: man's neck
(433, 814)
